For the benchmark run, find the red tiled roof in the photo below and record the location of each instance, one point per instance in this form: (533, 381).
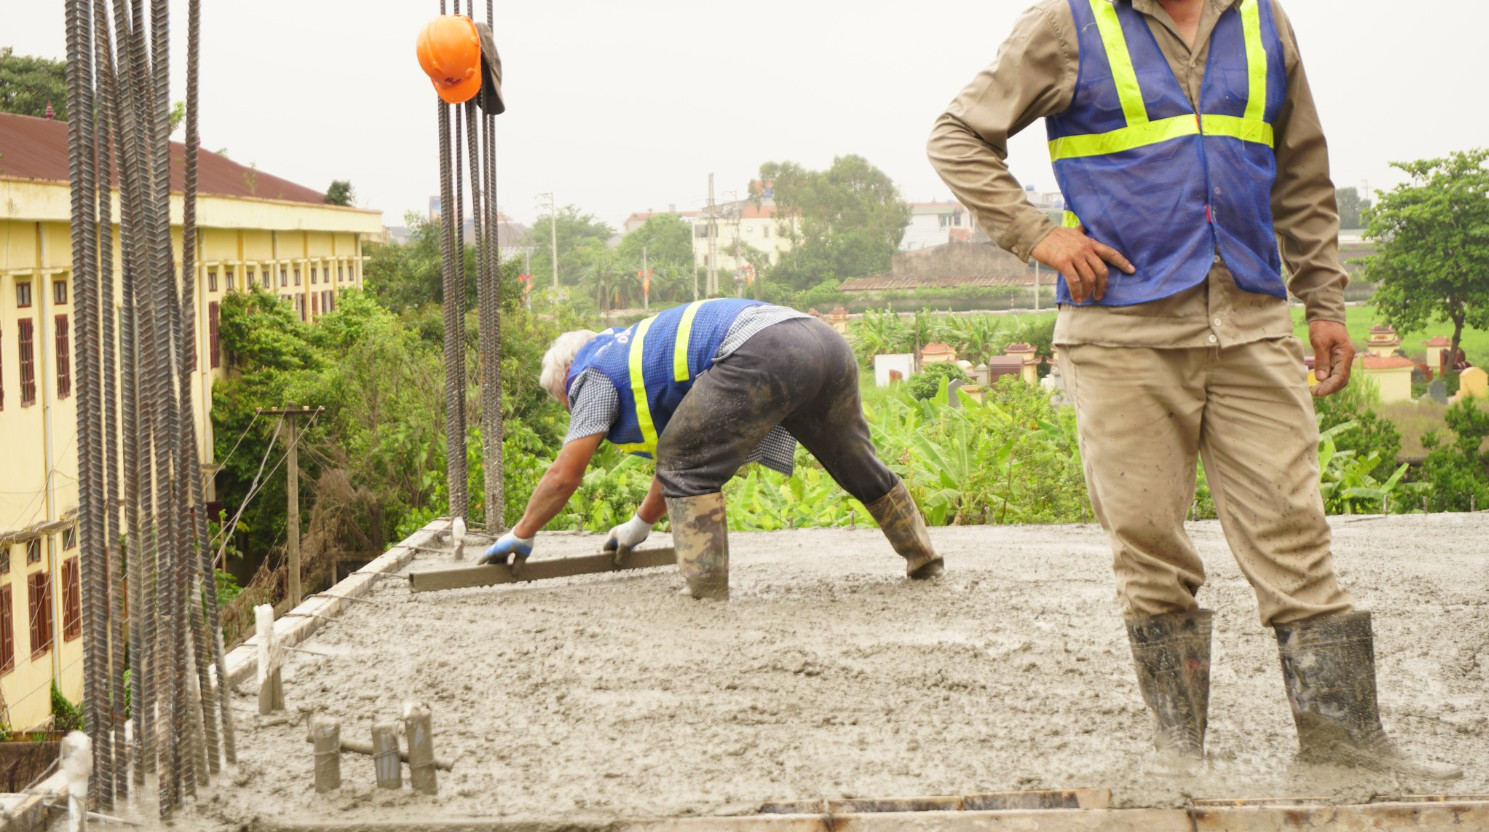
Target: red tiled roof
(1439, 341)
(36, 149)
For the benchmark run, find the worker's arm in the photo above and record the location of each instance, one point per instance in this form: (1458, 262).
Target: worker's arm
(1305, 211)
(558, 484)
(1033, 76)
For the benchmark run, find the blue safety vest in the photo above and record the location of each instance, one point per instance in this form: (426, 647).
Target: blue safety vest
(1145, 174)
(653, 365)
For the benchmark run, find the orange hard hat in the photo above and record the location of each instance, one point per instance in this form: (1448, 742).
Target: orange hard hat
(450, 53)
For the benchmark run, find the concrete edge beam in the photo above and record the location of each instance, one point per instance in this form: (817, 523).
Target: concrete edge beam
(1372, 817)
(303, 621)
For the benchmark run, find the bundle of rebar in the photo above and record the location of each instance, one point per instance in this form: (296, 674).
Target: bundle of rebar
(141, 508)
(477, 151)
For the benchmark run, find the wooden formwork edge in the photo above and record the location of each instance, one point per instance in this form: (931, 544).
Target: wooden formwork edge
(1426, 816)
(301, 622)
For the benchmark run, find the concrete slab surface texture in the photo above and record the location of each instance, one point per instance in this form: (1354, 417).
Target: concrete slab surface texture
(615, 701)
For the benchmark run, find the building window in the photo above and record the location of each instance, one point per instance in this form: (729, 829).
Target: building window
(284, 279)
(33, 551)
(764, 231)
(5, 561)
(297, 275)
(314, 275)
(23, 293)
(72, 600)
(64, 359)
(315, 303)
(70, 538)
(300, 306)
(341, 274)
(39, 591)
(28, 362)
(211, 280)
(7, 631)
(267, 278)
(214, 320)
(228, 276)
(59, 292)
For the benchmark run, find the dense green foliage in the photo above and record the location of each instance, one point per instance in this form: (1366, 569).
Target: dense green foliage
(849, 220)
(1459, 470)
(1432, 256)
(932, 378)
(28, 85)
(340, 193)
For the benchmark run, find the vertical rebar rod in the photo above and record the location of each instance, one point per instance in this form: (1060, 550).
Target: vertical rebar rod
(454, 366)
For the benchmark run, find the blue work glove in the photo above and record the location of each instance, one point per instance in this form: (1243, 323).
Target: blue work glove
(626, 536)
(509, 544)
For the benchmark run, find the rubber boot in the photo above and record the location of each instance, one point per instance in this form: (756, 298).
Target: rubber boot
(899, 518)
(701, 536)
(1328, 665)
(1172, 655)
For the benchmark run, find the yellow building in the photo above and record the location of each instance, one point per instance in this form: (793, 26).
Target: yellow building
(253, 228)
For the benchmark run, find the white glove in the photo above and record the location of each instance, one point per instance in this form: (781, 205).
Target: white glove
(627, 536)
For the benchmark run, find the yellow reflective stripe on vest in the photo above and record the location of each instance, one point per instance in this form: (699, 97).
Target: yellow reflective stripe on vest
(1140, 132)
(684, 332)
(638, 392)
(1256, 61)
(1123, 138)
(1070, 220)
(1120, 61)
(1245, 129)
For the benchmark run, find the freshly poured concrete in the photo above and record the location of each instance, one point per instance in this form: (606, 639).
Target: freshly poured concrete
(613, 697)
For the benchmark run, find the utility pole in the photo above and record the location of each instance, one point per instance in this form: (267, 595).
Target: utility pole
(712, 289)
(546, 200)
(1036, 285)
(645, 281)
(292, 490)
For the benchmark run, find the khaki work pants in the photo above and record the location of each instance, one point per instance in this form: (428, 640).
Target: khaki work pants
(1145, 414)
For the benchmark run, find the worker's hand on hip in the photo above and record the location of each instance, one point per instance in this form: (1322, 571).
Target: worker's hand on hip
(627, 536)
(1081, 260)
(1333, 354)
(507, 546)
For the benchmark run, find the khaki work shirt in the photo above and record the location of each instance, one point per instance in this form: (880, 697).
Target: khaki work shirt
(1034, 76)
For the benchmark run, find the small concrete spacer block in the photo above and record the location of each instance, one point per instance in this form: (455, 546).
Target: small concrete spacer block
(386, 763)
(417, 726)
(457, 537)
(326, 734)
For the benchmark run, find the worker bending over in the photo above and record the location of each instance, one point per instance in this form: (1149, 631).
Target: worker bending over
(704, 389)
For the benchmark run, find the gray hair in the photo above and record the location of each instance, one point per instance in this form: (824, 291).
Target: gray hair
(558, 358)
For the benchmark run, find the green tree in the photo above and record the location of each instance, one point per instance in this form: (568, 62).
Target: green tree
(1432, 256)
(28, 85)
(405, 277)
(848, 220)
(1352, 208)
(340, 193)
(581, 237)
(667, 242)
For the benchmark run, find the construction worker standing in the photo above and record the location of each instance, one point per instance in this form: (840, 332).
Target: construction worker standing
(704, 389)
(1186, 145)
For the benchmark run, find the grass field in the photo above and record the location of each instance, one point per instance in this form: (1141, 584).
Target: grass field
(1359, 320)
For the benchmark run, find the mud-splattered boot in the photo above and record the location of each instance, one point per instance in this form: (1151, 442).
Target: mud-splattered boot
(1172, 656)
(701, 535)
(900, 520)
(1328, 665)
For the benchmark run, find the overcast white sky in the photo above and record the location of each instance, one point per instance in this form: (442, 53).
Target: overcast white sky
(622, 107)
